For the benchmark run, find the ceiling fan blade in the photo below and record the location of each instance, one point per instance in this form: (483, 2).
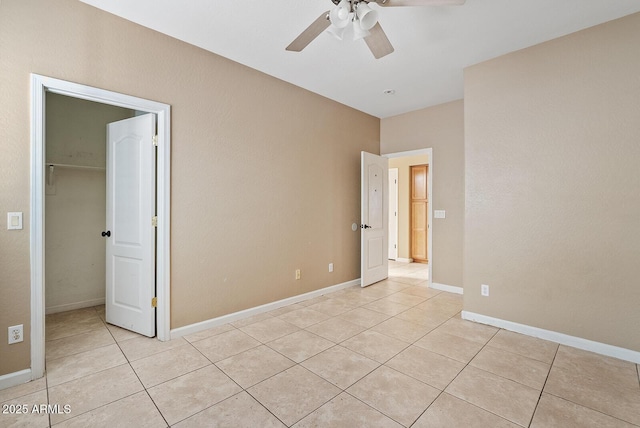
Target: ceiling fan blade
(378, 43)
(308, 35)
(386, 3)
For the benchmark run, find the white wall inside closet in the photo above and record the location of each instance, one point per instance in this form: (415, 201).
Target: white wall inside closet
(76, 201)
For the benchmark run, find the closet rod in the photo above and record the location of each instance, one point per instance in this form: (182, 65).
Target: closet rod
(62, 165)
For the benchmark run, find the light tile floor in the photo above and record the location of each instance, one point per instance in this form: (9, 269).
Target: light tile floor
(390, 355)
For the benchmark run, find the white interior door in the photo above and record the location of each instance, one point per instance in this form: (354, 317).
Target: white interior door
(393, 213)
(374, 202)
(130, 264)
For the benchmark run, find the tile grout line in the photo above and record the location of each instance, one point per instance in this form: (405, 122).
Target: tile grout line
(245, 390)
(589, 408)
(46, 384)
(412, 377)
(265, 407)
(543, 386)
(144, 388)
(106, 404)
(221, 371)
(378, 410)
(443, 391)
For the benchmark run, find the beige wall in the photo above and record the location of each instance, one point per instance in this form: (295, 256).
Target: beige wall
(552, 185)
(442, 129)
(261, 185)
(403, 164)
(76, 201)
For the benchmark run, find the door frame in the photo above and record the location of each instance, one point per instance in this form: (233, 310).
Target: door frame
(40, 85)
(429, 152)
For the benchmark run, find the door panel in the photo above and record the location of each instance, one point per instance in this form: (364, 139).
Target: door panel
(130, 264)
(419, 180)
(375, 218)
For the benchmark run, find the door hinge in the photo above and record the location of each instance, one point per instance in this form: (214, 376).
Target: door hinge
(155, 140)
(154, 302)
(154, 221)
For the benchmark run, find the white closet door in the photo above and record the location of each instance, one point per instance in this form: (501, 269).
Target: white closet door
(130, 264)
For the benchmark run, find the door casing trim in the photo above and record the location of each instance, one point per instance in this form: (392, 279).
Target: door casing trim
(40, 85)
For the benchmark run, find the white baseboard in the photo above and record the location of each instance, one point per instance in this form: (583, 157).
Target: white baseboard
(554, 336)
(448, 288)
(74, 306)
(403, 260)
(214, 322)
(15, 378)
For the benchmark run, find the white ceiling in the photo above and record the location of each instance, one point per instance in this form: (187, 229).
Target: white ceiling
(432, 44)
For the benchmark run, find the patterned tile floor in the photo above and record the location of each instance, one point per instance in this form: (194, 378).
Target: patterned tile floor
(390, 355)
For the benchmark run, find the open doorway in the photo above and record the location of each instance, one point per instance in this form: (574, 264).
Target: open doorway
(41, 87)
(401, 163)
(75, 200)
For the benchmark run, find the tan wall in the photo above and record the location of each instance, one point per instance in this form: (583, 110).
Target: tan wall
(261, 183)
(76, 202)
(442, 129)
(552, 184)
(403, 164)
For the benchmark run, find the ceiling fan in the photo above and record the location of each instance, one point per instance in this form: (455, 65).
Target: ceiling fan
(354, 18)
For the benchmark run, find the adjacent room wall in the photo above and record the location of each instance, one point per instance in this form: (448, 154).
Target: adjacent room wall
(552, 185)
(264, 176)
(404, 205)
(442, 129)
(75, 207)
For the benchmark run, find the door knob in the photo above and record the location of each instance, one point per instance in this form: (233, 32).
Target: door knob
(365, 226)
(107, 233)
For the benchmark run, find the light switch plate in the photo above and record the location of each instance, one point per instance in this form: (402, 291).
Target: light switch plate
(14, 221)
(439, 214)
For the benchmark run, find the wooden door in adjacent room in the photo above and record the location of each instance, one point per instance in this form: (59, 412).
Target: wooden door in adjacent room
(419, 207)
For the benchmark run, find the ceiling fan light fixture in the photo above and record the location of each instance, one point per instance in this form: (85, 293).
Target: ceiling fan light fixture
(344, 9)
(339, 15)
(366, 16)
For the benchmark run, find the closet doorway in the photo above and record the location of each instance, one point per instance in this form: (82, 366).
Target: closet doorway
(75, 200)
(68, 179)
(99, 202)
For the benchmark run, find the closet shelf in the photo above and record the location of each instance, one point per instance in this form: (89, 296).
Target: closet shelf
(62, 165)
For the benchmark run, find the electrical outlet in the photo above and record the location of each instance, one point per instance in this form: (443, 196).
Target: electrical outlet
(484, 290)
(15, 334)
(330, 267)
(297, 273)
